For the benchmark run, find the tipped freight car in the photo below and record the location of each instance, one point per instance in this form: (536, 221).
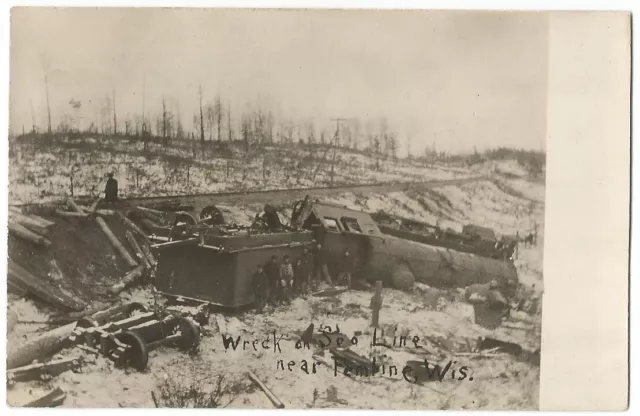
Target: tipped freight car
(215, 265)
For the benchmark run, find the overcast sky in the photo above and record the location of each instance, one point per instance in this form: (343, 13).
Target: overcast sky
(461, 79)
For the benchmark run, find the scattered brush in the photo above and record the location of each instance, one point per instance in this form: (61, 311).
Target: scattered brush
(172, 393)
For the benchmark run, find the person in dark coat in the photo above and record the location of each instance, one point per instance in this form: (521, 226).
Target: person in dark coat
(286, 279)
(272, 270)
(260, 287)
(111, 189)
(304, 271)
(346, 268)
(320, 262)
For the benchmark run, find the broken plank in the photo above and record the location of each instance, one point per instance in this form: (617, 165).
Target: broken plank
(116, 243)
(25, 234)
(128, 280)
(40, 288)
(272, 397)
(52, 399)
(35, 371)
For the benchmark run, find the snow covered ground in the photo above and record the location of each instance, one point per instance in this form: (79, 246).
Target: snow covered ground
(166, 170)
(443, 323)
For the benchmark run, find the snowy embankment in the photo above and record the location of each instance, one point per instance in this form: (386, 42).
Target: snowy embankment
(166, 170)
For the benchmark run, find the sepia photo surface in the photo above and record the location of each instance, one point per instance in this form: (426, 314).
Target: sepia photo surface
(303, 209)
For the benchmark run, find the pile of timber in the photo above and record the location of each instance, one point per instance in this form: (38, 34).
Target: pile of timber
(21, 281)
(30, 227)
(37, 230)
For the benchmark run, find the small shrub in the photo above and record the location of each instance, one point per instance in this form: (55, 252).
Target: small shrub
(195, 394)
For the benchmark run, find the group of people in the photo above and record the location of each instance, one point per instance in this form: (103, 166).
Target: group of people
(278, 281)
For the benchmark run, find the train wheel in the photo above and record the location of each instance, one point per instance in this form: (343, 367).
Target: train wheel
(211, 215)
(137, 355)
(402, 277)
(190, 334)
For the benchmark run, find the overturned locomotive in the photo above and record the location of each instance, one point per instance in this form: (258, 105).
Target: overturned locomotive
(215, 265)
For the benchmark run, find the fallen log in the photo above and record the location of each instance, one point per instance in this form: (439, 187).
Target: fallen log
(32, 224)
(132, 226)
(15, 289)
(71, 214)
(73, 206)
(41, 289)
(25, 234)
(137, 250)
(128, 280)
(272, 397)
(42, 221)
(38, 370)
(147, 252)
(150, 210)
(116, 243)
(39, 348)
(94, 206)
(52, 399)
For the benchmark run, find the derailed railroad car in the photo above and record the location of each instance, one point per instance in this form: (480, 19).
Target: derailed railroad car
(219, 268)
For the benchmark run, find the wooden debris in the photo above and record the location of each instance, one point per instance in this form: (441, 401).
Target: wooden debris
(94, 206)
(332, 291)
(15, 289)
(53, 399)
(73, 206)
(147, 252)
(22, 232)
(116, 243)
(151, 211)
(132, 226)
(36, 371)
(71, 214)
(37, 226)
(41, 289)
(276, 402)
(40, 220)
(136, 249)
(40, 347)
(188, 241)
(128, 280)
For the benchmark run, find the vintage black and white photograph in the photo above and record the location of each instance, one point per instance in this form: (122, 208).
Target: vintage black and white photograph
(299, 209)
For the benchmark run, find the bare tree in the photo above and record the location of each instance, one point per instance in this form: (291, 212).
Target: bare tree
(393, 145)
(46, 64)
(218, 113)
(179, 128)
(115, 122)
(229, 126)
(164, 119)
(33, 118)
(210, 116)
(201, 120)
(376, 149)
